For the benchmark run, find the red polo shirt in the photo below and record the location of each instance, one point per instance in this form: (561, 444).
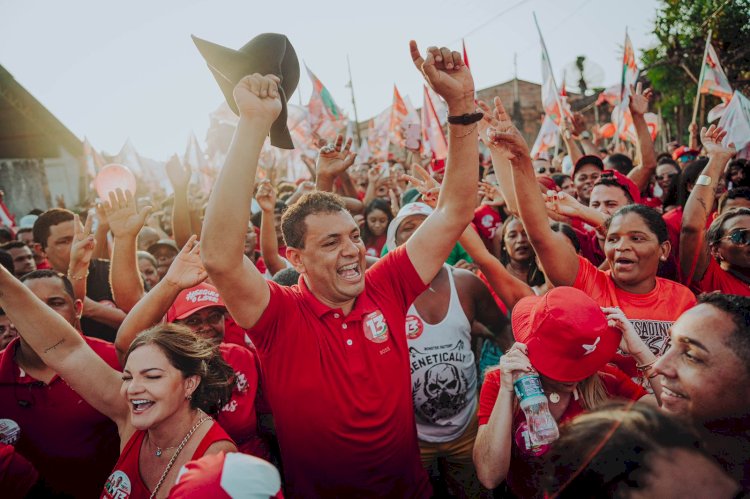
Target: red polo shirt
(340, 389)
(71, 444)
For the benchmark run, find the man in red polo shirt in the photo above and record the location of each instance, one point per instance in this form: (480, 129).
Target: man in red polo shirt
(71, 444)
(333, 348)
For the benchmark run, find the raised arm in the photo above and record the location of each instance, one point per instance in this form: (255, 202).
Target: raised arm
(125, 223)
(243, 288)
(433, 241)
(642, 173)
(507, 287)
(185, 272)
(570, 141)
(179, 177)
(333, 161)
(63, 349)
(269, 246)
(500, 162)
(695, 254)
(102, 244)
(558, 258)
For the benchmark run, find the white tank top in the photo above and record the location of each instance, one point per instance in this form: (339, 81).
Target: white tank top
(443, 373)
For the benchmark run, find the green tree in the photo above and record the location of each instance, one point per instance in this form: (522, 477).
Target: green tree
(673, 65)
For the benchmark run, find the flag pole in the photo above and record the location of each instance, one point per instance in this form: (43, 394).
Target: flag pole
(354, 103)
(552, 76)
(621, 112)
(700, 78)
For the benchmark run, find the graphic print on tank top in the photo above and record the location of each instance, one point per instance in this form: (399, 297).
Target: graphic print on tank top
(443, 374)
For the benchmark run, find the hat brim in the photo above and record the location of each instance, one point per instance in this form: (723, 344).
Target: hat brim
(520, 317)
(190, 312)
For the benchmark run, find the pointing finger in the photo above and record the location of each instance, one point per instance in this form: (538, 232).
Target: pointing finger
(416, 57)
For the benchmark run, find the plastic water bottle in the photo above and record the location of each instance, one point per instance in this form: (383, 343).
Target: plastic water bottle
(542, 425)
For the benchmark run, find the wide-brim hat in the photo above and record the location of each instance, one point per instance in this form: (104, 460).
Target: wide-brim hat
(268, 53)
(163, 243)
(566, 334)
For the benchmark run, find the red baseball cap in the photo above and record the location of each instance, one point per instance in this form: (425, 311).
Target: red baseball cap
(233, 475)
(566, 334)
(193, 299)
(624, 182)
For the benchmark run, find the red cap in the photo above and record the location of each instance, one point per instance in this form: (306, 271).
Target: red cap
(683, 151)
(234, 475)
(624, 182)
(193, 299)
(566, 334)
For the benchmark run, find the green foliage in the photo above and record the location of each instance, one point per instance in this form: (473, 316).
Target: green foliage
(673, 65)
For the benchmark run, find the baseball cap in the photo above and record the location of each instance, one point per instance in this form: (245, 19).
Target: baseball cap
(406, 211)
(684, 151)
(163, 243)
(566, 334)
(222, 475)
(589, 159)
(624, 182)
(193, 299)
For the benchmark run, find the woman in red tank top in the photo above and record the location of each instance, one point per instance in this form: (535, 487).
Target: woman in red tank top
(172, 379)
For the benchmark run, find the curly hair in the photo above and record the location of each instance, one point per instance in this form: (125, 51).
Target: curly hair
(192, 356)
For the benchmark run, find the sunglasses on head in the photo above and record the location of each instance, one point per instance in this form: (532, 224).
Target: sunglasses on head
(739, 237)
(544, 169)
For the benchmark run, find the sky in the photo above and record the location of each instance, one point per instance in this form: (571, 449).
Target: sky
(117, 70)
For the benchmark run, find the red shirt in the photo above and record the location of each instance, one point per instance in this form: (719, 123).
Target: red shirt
(72, 445)
(375, 247)
(340, 387)
(526, 463)
(718, 279)
(487, 220)
(17, 475)
(238, 417)
(652, 313)
(126, 482)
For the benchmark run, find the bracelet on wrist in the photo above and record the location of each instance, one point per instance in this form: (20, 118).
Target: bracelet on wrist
(646, 366)
(74, 278)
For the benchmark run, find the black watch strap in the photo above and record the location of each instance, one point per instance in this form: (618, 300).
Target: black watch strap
(466, 119)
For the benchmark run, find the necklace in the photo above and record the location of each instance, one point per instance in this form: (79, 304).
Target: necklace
(184, 442)
(554, 397)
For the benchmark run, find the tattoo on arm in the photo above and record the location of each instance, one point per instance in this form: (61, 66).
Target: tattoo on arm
(47, 350)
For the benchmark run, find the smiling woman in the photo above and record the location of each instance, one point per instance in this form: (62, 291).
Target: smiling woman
(171, 380)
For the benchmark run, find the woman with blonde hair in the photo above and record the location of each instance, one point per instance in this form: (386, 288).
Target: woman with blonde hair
(566, 338)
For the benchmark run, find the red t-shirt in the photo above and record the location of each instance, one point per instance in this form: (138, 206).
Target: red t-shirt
(238, 417)
(375, 248)
(17, 475)
(487, 221)
(718, 279)
(652, 313)
(526, 462)
(340, 387)
(72, 445)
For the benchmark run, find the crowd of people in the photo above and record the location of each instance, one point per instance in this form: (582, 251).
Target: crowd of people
(359, 334)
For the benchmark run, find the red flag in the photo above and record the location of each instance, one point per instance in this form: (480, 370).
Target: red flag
(466, 57)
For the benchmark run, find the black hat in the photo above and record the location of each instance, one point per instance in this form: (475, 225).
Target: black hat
(589, 159)
(268, 53)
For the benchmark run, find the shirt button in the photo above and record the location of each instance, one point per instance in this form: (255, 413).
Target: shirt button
(349, 342)
(343, 326)
(336, 315)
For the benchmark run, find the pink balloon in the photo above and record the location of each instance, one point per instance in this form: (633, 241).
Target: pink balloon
(112, 177)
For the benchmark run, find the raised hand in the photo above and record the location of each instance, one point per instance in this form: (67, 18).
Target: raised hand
(82, 247)
(123, 216)
(427, 186)
(563, 204)
(266, 196)
(491, 194)
(639, 99)
(187, 269)
(178, 175)
(513, 361)
(334, 159)
(712, 139)
(257, 97)
(445, 72)
(631, 343)
(502, 135)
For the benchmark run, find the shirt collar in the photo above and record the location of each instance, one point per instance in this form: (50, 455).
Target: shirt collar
(362, 305)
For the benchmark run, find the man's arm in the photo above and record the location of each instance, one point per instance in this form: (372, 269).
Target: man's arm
(269, 246)
(431, 244)
(179, 177)
(102, 244)
(126, 223)
(642, 173)
(694, 252)
(243, 288)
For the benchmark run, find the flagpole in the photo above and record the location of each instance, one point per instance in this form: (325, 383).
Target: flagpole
(700, 78)
(552, 76)
(621, 112)
(354, 103)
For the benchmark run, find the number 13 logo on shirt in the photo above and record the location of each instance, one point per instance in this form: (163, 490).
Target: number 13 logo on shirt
(375, 327)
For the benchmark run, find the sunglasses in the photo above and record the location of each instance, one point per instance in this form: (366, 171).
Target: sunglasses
(739, 237)
(544, 169)
(666, 176)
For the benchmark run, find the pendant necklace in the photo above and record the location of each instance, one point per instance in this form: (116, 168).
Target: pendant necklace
(554, 397)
